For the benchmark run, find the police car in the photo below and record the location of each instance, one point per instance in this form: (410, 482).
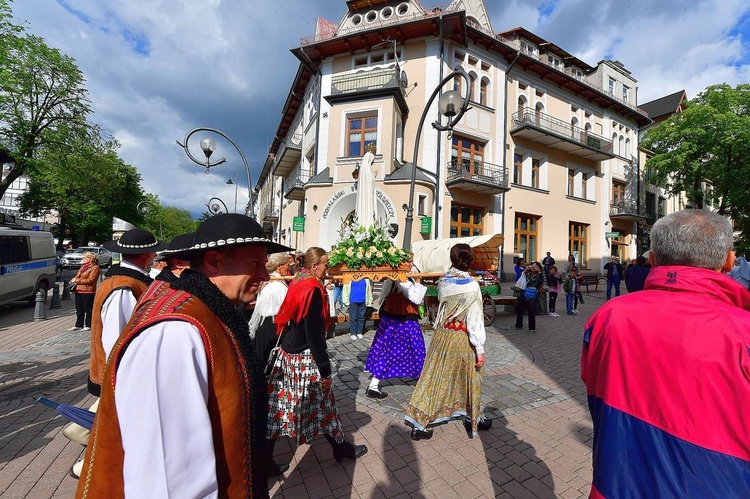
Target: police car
(27, 264)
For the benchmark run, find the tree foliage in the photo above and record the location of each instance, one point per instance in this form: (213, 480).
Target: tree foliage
(169, 220)
(84, 180)
(708, 144)
(41, 92)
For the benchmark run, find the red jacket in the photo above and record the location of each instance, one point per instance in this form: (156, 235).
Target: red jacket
(667, 374)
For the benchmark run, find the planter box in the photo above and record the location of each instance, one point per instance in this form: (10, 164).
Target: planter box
(375, 274)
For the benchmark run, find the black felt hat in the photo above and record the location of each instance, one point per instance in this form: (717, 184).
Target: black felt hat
(178, 244)
(135, 242)
(227, 230)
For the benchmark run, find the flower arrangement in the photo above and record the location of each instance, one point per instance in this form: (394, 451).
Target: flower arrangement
(365, 247)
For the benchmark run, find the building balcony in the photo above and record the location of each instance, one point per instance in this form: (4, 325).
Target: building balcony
(270, 214)
(382, 82)
(627, 212)
(548, 131)
(294, 186)
(478, 177)
(288, 155)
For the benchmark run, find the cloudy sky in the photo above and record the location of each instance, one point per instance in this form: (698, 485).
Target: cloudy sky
(157, 69)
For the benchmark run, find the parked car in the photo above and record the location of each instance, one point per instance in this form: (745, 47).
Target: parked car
(27, 264)
(74, 259)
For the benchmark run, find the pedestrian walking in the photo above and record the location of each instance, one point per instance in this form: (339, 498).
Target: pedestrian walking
(451, 382)
(183, 406)
(301, 401)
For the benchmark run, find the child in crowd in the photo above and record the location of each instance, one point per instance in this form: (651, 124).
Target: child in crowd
(570, 289)
(553, 288)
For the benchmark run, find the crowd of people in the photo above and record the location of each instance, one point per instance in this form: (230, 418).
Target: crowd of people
(179, 355)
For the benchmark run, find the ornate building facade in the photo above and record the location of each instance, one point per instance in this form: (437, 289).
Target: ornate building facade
(546, 156)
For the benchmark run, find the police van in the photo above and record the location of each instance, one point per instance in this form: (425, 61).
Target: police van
(27, 264)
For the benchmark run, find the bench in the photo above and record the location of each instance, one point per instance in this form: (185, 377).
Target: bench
(592, 280)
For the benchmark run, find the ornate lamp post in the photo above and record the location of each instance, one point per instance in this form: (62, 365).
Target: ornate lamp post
(145, 207)
(229, 182)
(209, 146)
(451, 105)
(215, 205)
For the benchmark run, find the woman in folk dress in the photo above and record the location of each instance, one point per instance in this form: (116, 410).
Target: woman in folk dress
(301, 402)
(450, 386)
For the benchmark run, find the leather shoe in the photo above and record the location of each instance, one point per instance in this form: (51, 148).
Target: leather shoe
(482, 425)
(417, 434)
(275, 469)
(375, 394)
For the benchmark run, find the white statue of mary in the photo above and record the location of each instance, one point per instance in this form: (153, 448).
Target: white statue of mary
(365, 208)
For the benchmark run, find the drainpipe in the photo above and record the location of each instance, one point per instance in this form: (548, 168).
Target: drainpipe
(505, 153)
(439, 166)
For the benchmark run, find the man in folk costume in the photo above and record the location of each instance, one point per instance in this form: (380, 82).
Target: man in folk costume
(183, 406)
(114, 302)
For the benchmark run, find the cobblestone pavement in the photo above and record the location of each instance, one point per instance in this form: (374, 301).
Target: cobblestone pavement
(539, 445)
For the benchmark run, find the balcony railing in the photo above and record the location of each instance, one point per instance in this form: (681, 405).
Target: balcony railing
(376, 79)
(622, 208)
(271, 213)
(530, 117)
(478, 172)
(296, 181)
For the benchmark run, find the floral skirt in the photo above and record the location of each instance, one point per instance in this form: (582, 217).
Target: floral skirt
(450, 385)
(397, 350)
(297, 404)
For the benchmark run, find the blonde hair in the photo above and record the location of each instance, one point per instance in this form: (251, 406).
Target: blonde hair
(276, 260)
(91, 255)
(312, 256)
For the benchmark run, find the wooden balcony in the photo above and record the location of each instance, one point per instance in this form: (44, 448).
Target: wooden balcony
(476, 176)
(548, 131)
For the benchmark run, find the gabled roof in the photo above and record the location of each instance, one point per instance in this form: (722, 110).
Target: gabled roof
(664, 106)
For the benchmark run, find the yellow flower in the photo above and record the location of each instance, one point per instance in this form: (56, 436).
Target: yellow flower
(379, 254)
(350, 252)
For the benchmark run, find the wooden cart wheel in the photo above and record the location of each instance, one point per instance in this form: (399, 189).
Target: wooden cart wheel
(489, 308)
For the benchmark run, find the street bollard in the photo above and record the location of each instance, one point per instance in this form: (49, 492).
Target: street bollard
(39, 313)
(66, 291)
(55, 296)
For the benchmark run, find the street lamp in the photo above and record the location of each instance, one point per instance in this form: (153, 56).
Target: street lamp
(229, 182)
(144, 207)
(451, 105)
(208, 146)
(215, 208)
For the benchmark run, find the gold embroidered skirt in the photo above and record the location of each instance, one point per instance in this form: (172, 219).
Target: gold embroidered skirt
(450, 386)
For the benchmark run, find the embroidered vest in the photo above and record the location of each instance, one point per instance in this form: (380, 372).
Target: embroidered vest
(397, 304)
(98, 360)
(229, 399)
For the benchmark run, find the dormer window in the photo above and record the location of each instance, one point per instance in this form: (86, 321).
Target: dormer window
(554, 60)
(528, 48)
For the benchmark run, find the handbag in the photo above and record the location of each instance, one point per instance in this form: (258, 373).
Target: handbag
(530, 293)
(272, 357)
(72, 287)
(521, 282)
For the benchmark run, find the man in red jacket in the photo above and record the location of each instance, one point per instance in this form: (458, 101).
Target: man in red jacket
(667, 371)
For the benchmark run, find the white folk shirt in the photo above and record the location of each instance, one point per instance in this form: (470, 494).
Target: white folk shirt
(116, 312)
(161, 397)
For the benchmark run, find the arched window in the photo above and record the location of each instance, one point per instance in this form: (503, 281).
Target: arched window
(539, 112)
(458, 81)
(483, 89)
(472, 84)
(627, 148)
(521, 107)
(574, 127)
(615, 144)
(622, 146)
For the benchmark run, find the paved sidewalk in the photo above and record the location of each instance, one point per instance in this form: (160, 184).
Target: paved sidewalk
(539, 445)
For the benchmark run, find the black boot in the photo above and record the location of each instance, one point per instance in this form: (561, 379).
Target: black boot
(273, 469)
(345, 449)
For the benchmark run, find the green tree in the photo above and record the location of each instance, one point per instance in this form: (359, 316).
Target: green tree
(708, 144)
(174, 221)
(41, 91)
(86, 183)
